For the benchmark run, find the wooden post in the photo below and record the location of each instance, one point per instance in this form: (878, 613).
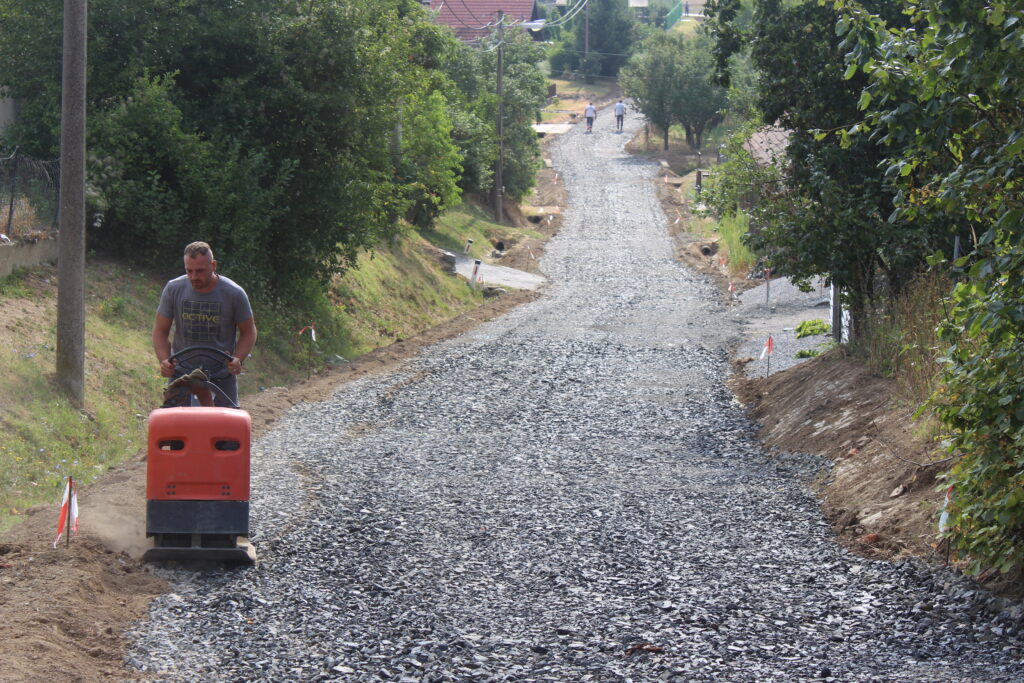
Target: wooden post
(71, 243)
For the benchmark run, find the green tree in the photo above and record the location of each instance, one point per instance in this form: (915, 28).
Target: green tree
(649, 79)
(600, 40)
(160, 184)
(471, 113)
(474, 72)
(525, 90)
(742, 183)
(945, 96)
(430, 160)
(669, 79)
(287, 111)
(701, 102)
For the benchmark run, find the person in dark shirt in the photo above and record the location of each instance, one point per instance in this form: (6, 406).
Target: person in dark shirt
(204, 309)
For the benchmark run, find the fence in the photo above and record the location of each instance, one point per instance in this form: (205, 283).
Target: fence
(29, 196)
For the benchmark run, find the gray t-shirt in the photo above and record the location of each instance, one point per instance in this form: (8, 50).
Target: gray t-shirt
(204, 319)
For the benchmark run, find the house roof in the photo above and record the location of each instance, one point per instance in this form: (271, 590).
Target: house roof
(768, 145)
(469, 18)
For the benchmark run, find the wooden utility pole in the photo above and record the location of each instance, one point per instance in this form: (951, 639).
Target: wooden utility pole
(499, 190)
(71, 240)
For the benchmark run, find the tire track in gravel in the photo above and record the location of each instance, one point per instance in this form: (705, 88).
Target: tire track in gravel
(568, 493)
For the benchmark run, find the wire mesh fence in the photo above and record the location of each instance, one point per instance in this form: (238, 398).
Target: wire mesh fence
(29, 196)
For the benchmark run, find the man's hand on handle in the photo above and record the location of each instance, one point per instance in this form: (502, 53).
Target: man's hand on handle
(167, 368)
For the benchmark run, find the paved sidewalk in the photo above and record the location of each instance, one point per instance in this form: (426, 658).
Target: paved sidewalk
(501, 276)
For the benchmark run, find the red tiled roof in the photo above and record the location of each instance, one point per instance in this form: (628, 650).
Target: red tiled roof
(468, 18)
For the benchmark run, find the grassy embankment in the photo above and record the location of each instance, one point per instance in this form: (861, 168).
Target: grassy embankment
(396, 291)
(573, 96)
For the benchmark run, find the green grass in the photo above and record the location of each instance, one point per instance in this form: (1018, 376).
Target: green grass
(688, 27)
(394, 294)
(901, 340)
(467, 222)
(581, 90)
(13, 286)
(731, 230)
(573, 95)
(44, 438)
(816, 351)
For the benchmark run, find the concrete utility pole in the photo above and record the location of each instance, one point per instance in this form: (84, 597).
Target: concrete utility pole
(836, 299)
(71, 241)
(499, 190)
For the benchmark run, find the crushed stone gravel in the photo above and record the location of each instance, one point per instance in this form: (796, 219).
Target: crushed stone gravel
(568, 493)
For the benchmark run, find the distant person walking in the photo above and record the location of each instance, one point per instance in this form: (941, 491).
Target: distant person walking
(591, 113)
(620, 114)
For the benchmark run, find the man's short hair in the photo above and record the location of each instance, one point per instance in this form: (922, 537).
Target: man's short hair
(199, 249)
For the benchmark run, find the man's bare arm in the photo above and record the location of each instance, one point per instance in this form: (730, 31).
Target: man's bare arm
(162, 344)
(246, 341)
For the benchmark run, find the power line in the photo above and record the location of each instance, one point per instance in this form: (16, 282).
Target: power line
(567, 17)
(475, 17)
(464, 24)
(595, 52)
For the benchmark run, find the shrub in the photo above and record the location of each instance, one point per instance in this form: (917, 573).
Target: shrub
(812, 328)
(981, 405)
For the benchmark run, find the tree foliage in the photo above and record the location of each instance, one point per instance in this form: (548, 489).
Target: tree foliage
(524, 92)
(669, 80)
(946, 97)
(599, 40)
(701, 102)
(289, 135)
(832, 214)
(648, 80)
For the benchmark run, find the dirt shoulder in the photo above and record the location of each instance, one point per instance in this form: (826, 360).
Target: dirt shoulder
(880, 496)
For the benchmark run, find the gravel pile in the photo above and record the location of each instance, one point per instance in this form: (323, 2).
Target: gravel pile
(565, 494)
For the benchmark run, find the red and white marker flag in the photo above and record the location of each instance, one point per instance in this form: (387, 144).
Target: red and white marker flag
(732, 288)
(68, 511)
(769, 347)
(312, 331)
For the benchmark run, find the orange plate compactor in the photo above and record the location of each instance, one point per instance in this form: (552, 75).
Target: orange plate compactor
(197, 485)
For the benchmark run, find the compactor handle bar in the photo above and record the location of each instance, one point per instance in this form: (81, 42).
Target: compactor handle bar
(188, 359)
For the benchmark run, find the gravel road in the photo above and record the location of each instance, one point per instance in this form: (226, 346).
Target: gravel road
(568, 493)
